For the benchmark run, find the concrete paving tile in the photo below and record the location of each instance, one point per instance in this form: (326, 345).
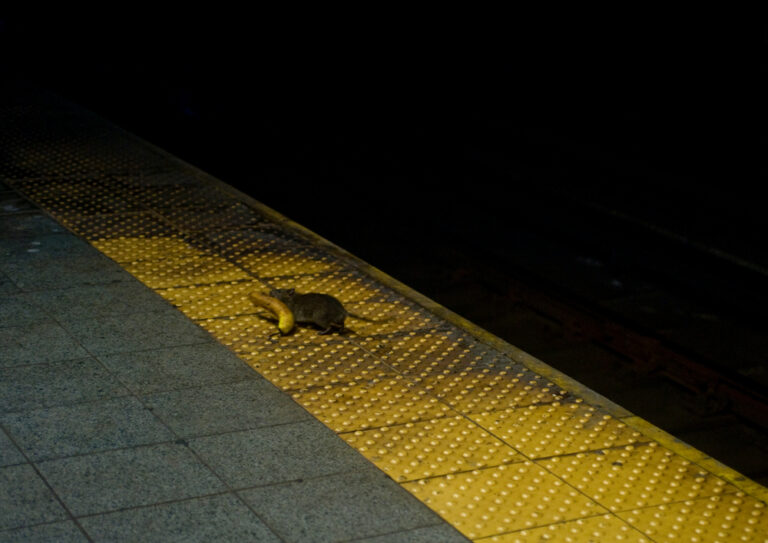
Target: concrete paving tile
(225, 408)
(63, 272)
(25, 499)
(18, 310)
(277, 453)
(56, 432)
(212, 518)
(37, 343)
(9, 454)
(175, 368)
(39, 248)
(338, 507)
(441, 533)
(27, 225)
(11, 202)
(84, 302)
(55, 532)
(60, 383)
(7, 286)
(135, 332)
(101, 482)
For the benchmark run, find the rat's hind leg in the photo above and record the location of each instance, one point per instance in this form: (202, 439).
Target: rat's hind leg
(324, 324)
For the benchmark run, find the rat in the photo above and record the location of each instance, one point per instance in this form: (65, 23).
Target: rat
(322, 310)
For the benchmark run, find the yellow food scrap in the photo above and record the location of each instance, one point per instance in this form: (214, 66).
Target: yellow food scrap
(284, 315)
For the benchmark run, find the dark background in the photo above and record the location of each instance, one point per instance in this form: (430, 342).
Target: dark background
(411, 130)
(600, 159)
(656, 118)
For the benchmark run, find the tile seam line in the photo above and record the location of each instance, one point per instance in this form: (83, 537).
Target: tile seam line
(175, 440)
(180, 441)
(489, 538)
(363, 539)
(540, 367)
(28, 462)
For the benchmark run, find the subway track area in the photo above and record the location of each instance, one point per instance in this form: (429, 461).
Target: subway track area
(493, 440)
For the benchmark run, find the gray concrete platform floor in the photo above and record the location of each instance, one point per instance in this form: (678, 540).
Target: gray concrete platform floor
(122, 420)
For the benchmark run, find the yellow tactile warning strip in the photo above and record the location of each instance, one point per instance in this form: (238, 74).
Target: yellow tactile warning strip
(502, 446)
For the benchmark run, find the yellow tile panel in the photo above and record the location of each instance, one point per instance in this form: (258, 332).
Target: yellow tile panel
(501, 499)
(430, 448)
(81, 197)
(300, 365)
(130, 249)
(174, 191)
(247, 239)
(539, 431)
(345, 284)
(212, 217)
(121, 225)
(731, 518)
(378, 319)
(271, 258)
(249, 336)
(598, 529)
(464, 373)
(128, 237)
(636, 476)
(480, 390)
(384, 402)
(428, 351)
(219, 300)
(174, 272)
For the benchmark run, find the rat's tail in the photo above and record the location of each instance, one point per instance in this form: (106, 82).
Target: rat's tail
(361, 318)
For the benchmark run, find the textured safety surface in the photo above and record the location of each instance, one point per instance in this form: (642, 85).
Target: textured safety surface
(497, 449)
